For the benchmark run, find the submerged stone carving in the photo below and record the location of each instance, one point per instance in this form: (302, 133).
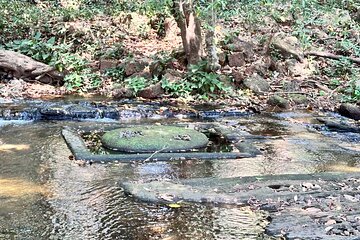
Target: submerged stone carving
(144, 139)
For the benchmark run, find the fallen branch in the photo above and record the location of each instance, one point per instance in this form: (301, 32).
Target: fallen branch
(158, 151)
(27, 68)
(332, 56)
(291, 92)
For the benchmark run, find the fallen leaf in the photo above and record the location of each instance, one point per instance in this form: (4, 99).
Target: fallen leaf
(174, 205)
(330, 222)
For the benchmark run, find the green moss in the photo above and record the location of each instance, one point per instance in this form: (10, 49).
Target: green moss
(154, 138)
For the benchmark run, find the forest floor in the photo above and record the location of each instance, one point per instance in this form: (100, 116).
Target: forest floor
(267, 53)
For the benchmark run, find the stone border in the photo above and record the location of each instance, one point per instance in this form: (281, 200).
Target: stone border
(81, 152)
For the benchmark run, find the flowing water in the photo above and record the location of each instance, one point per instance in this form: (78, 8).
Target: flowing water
(44, 195)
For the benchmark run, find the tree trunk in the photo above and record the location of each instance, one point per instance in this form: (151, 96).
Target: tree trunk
(210, 42)
(190, 27)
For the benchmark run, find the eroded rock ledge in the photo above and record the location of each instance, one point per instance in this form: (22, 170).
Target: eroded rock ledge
(301, 206)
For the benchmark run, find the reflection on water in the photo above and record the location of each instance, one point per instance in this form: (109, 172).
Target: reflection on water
(44, 195)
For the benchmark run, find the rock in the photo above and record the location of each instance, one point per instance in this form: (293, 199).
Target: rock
(291, 86)
(339, 126)
(241, 46)
(289, 46)
(295, 68)
(236, 59)
(222, 58)
(135, 66)
(171, 28)
(173, 75)
(247, 147)
(278, 101)
(337, 17)
(107, 63)
(54, 112)
(238, 76)
(153, 91)
(157, 68)
(350, 111)
(72, 111)
(78, 111)
(257, 84)
(143, 74)
(298, 99)
(330, 222)
(154, 138)
(357, 16)
(229, 134)
(122, 92)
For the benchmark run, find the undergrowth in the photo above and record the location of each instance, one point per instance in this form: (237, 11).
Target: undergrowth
(70, 38)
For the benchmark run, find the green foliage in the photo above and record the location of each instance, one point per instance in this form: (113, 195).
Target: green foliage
(344, 75)
(82, 81)
(37, 48)
(160, 62)
(116, 51)
(352, 91)
(79, 76)
(178, 89)
(153, 7)
(348, 47)
(342, 68)
(136, 83)
(116, 73)
(197, 81)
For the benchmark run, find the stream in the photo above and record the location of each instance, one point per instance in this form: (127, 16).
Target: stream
(46, 195)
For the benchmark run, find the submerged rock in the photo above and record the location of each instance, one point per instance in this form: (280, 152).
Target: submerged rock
(154, 138)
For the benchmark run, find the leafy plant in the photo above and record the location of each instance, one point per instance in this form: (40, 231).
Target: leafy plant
(160, 62)
(42, 50)
(82, 81)
(136, 83)
(115, 52)
(197, 81)
(178, 89)
(342, 68)
(116, 73)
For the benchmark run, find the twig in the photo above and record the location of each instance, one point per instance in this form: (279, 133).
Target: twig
(332, 93)
(160, 150)
(294, 92)
(331, 56)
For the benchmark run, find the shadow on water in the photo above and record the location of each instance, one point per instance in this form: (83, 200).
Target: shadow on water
(44, 195)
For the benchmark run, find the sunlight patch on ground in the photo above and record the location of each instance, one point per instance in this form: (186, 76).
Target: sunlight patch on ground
(342, 167)
(12, 147)
(10, 187)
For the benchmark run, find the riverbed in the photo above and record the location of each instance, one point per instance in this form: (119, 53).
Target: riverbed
(44, 194)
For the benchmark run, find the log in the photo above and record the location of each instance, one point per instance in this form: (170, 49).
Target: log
(26, 68)
(332, 56)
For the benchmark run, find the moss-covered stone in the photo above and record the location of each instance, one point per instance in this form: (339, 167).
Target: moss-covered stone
(299, 98)
(278, 101)
(154, 138)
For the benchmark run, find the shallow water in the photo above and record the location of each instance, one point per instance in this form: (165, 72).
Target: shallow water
(44, 195)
